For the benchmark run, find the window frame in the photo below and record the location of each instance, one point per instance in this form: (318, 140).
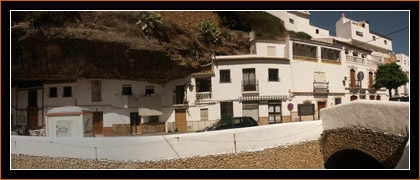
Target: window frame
(127, 90)
(358, 33)
(70, 91)
(277, 75)
(291, 21)
(56, 92)
(98, 97)
(222, 77)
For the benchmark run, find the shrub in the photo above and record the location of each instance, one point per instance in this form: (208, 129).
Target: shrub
(209, 31)
(149, 21)
(301, 35)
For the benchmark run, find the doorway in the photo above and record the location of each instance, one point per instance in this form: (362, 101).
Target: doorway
(32, 115)
(180, 120)
(179, 96)
(321, 105)
(135, 123)
(98, 123)
(352, 98)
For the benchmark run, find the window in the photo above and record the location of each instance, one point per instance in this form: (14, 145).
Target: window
(271, 50)
(362, 97)
(374, 38)
(225, 76)
(372, 97)
(355, 53)
(378, 97)
(363, 55)
(204, 114)
(67, 91)
(359, 33)
(273, 75)
(126, 89)
(337, 101)
(53, 92)
(317, 31)
(150, 91)
(96, 91)
(153, 119)
(385, 42)
(291, 21)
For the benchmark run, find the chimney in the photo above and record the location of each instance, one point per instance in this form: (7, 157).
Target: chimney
(342, 14)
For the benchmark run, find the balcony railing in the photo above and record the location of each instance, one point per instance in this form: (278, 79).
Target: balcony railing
(353, 59)
(250, 86)
(373, 62)
(305, 58)
(329, 61)
(203, 96)
(321, 87)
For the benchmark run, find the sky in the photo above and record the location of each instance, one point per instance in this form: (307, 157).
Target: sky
(382, 22)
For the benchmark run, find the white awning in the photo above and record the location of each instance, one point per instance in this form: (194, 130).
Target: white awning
(149, 112)
(264, 98)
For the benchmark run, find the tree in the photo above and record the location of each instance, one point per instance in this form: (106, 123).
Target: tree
(390, 76)
(209, 31)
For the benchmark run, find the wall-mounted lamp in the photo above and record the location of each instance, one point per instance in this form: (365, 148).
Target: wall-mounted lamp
(344, 81)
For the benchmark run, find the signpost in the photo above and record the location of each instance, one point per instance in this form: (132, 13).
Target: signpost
(290, 108)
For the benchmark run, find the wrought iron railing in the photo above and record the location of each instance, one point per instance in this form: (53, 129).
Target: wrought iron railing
(203, 96)
(249, 85)
(321, 86)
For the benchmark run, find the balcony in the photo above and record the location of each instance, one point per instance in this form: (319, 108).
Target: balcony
(321, 87)
(355, 60)
(200, 96)
(305, 58)
(373, 62)
(329, 61)
(250, 86)
(140, 100)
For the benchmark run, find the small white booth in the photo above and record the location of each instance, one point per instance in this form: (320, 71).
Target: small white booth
(69, 121)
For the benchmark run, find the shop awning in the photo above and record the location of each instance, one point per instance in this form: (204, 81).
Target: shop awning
(264, 98)
(149, 112)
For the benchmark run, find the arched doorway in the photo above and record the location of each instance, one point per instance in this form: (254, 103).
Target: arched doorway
(352, 98)
(352, 159)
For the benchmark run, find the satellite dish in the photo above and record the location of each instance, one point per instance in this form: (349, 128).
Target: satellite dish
(360, 76)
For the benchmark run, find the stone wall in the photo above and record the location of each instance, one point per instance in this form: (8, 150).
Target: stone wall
(386, 148)
(263, 121)
(121, 129)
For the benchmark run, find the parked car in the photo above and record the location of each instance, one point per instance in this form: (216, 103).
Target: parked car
(229, 123)
(402, 99)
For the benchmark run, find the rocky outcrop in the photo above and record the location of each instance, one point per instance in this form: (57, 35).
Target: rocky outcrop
(108, 45)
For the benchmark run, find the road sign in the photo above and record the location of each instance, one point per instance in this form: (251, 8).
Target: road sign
(290, 106)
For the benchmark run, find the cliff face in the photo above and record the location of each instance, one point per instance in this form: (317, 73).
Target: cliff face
(108, 45)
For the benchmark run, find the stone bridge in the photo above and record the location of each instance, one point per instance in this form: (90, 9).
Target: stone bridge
(365, 135)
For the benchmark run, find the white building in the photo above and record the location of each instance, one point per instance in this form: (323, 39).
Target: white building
(298, 21)
(404, 61)
(322, 71)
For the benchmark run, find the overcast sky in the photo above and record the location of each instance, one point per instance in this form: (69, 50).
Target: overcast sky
(382, 22)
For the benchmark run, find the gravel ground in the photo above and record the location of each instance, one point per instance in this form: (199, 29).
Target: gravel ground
(305, 155)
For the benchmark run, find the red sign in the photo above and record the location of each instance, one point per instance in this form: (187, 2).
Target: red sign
(290, 106)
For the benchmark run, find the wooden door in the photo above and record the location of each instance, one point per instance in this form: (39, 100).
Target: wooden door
(370, 80)
(321, 105)
(180, 120)
(32, 119)
(97, 122)
(352, 78)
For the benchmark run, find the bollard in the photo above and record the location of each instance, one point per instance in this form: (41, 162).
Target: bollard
(96, 153)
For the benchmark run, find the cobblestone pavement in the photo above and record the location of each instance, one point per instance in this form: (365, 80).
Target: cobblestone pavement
(305, 155)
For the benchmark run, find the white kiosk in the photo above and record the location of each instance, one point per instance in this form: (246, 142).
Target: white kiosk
(69, 121)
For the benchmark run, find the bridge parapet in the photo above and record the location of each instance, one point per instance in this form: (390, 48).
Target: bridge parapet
(357, 131)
